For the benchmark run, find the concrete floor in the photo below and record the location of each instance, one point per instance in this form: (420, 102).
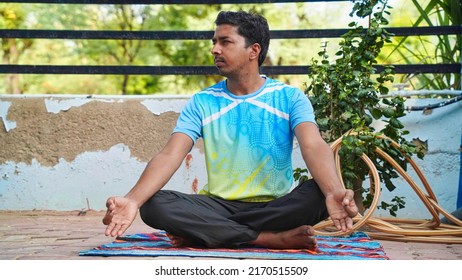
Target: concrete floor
(49, 235)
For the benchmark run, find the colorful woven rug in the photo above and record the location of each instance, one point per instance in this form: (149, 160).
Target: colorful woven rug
(357, 246)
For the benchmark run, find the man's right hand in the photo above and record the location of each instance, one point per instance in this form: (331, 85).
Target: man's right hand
(120, 214)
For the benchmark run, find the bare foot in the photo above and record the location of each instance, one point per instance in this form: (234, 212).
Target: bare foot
(179, 241)
(297, 238)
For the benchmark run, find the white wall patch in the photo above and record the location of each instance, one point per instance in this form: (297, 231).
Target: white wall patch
(4, 107)
(158, 107)
(56, 106)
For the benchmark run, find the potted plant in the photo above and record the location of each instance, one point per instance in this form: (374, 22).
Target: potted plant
(345, 94)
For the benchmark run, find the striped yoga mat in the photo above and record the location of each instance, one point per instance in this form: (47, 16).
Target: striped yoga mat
(357, 246)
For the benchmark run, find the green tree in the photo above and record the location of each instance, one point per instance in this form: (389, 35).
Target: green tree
(148, 52)
(12, 16)
(119, 52)
(443, 49)
(183, 52)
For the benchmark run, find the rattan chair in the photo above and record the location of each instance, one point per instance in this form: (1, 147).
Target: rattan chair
(398, 229)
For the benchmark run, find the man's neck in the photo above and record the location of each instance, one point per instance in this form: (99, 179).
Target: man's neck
(245, 84)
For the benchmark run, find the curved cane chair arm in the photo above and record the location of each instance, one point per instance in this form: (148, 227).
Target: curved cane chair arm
(359, 220)
(397, 229)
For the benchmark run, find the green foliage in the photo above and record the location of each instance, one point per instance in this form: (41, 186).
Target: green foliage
(12, 16)
(396, 203)
(301, 175)
(136, 52)
(186, 52)
(444, 49)
(345, 96)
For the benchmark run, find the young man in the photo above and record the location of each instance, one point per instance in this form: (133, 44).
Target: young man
(247, 122)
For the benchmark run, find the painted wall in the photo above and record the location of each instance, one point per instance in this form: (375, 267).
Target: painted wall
(440, 130)
(72, 152)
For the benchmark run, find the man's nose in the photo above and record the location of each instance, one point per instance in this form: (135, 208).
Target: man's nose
(215, 49)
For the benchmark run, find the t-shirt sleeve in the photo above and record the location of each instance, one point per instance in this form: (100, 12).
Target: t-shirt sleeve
(190, 120)
(301, 109)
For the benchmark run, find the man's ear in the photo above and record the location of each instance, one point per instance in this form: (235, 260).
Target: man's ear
(255, 51)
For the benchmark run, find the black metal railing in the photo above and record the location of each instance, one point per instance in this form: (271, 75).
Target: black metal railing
(199, 35)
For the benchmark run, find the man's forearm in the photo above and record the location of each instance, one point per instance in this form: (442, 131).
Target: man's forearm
(318, 157)
(321, 164)
(160, 169)
(153, 178)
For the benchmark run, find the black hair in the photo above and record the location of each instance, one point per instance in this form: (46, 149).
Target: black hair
(253, 27)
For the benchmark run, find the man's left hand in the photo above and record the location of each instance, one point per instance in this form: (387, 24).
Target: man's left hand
(342, 208)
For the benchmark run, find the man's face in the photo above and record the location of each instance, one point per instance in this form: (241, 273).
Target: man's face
(229, 50)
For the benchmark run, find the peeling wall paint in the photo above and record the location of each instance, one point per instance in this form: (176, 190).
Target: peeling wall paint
(158, 107)
(58, 105)
(64, 151)
(90, 178)
(4, 107)
(93, 126)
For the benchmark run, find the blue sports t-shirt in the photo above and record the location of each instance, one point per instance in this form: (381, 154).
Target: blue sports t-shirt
(248, 140)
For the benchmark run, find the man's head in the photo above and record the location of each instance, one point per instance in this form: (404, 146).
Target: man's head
(253, 27)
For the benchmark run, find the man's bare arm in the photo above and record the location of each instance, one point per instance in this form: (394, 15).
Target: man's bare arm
(161, 168)
(319, 159)
(122, 211)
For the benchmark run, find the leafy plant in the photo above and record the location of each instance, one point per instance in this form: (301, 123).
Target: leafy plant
(11, 49)
(445, 50)
(301, 175)
(396, 203)
(345, 96)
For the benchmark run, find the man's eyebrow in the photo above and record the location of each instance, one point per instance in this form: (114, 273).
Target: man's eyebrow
(219, 38)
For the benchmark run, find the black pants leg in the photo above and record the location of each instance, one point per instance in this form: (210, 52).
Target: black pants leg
(304, 205)
(198, 218)
(215, 222)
